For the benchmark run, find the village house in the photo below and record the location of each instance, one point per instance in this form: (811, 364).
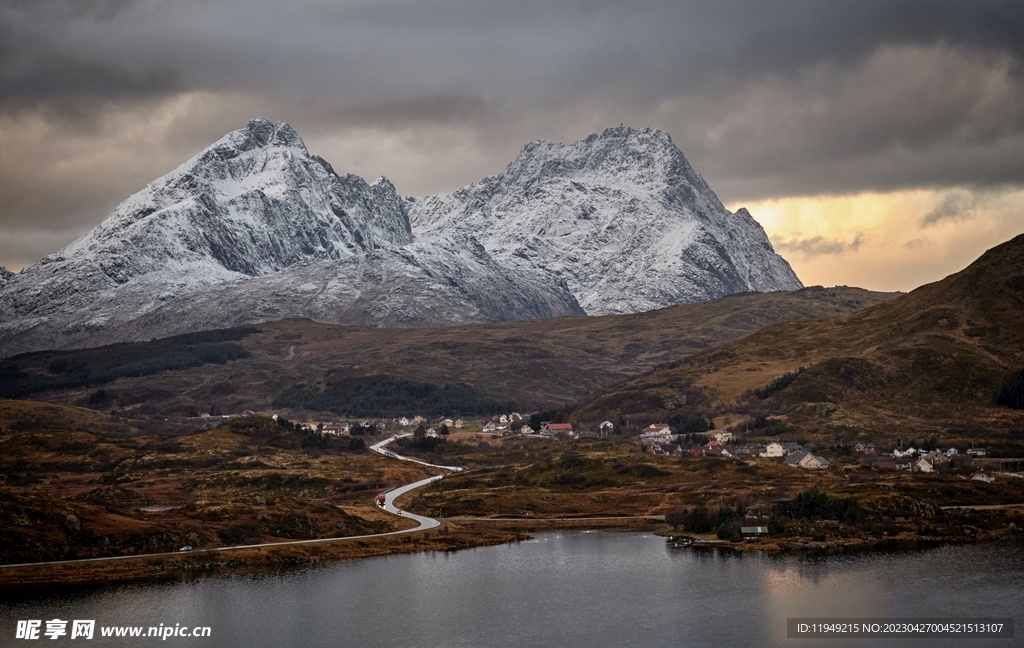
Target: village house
(432, 433)
(335, 429)
(746, 450)
(865, 448)
(418, 419)
(404, 422)
(515, 416)
(606, 427)
(565, 428)
(983, 476)
(657, 428)
(657, 432)
(448, 422)
(899, 453)
(922, 464)
(502, 419)
(722, 437)
(489, 426)
(715, 449)
(975, 452)
(753, 531)
(670, 449)
(459, 424)
(952, 452)
(937, 457)
(783, 449)
(804, 459)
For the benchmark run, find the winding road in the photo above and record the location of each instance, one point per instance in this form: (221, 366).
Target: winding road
(424, 523)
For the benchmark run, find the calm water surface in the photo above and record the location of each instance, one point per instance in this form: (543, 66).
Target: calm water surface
(562, 589)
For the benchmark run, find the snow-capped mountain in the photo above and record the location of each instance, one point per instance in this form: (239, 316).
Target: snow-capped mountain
(622, 217)
(255, 205)
(435, 281)
(254, 228)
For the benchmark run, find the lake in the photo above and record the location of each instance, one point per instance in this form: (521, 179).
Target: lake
(569, 589)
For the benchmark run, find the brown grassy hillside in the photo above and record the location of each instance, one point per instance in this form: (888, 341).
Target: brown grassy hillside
(935, 357)
(536, 363)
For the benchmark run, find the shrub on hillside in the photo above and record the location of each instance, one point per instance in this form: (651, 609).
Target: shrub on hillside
(1012, 394)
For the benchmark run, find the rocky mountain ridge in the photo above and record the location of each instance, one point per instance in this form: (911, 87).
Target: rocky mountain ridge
(256, 228)
(621, 216)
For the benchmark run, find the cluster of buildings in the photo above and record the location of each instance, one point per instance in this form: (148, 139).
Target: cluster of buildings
(662, 441)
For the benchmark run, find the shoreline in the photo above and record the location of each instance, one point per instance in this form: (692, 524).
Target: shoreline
(448, 537)
(803, 546)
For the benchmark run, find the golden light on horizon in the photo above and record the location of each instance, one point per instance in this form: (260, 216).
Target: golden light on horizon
(888, 241)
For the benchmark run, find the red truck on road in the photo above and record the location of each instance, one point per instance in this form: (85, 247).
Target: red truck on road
(381, 499)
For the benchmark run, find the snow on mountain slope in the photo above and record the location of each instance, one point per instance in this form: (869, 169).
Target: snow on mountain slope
(622, 217)
(436, 281)
(252, 205)
(254, 228)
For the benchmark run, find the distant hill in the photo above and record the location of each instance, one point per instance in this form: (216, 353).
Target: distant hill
(535, 363)
(935, 358)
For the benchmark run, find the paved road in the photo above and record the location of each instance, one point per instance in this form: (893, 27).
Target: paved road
(424, 523)
(389, 506)
(379, 447)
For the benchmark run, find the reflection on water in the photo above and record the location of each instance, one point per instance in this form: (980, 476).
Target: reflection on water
(560, 589)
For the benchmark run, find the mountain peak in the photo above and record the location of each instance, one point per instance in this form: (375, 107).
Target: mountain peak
(263, 132)
(622, 217)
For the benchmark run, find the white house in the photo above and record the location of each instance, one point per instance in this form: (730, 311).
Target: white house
(774, 449)
(404, 422)
(922, 464)
(606, 427)
(657, 428)
(459, 424)
(503, 419)
(489, 426)
(722, 437)
(804, 459)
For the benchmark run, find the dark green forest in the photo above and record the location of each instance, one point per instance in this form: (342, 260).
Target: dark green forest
(385, 396)
(79, 368)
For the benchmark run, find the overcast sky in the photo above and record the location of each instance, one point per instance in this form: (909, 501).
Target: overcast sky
(880, 143)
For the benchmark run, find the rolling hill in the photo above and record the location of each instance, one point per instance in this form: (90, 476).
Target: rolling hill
(535, 363)
(933, 359)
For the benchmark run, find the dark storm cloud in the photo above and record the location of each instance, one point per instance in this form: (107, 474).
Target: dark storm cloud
(766, 99)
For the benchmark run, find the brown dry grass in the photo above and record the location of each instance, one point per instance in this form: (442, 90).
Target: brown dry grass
(537, 363)
(929, 362)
